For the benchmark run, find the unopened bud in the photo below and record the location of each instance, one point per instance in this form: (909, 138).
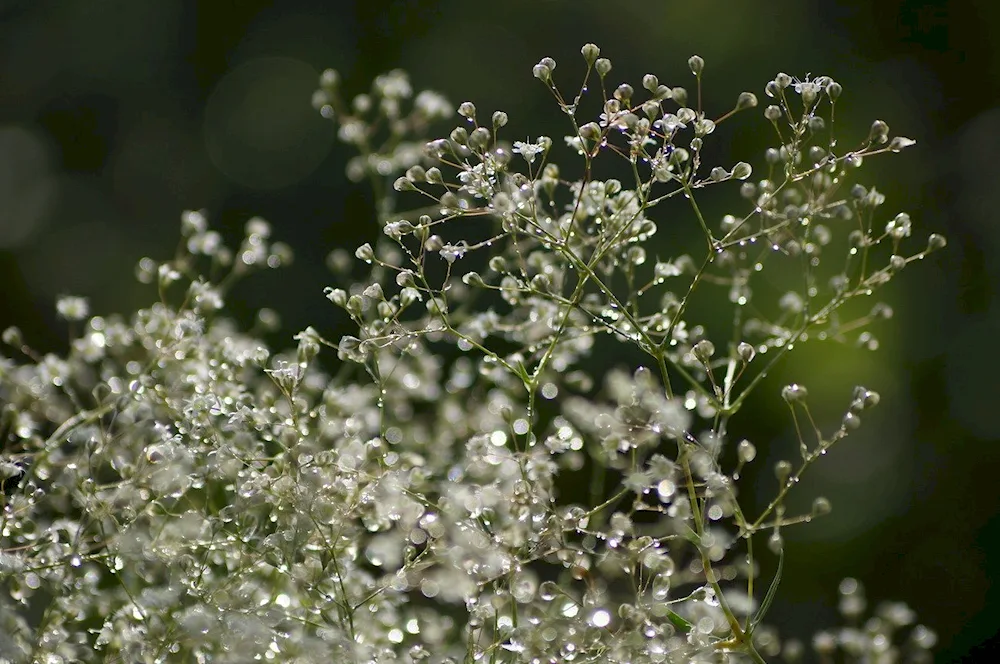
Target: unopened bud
(697, 64)
(794, 392)
(746, 100)
(879, 132)
(821, 506)
(365, 253)
(467, 110)
(704, 349)
(590, 53)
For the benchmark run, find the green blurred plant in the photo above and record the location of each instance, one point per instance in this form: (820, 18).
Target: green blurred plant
(174, 493)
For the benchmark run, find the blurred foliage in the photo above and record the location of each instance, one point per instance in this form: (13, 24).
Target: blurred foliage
(117, 115)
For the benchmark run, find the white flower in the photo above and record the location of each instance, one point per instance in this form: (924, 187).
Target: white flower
(72, 308)
(528, 150)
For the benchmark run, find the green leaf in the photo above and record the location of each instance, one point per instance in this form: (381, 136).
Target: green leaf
(679, 622)
(769, 597)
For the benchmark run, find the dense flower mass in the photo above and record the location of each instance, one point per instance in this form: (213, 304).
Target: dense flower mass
(460, 486)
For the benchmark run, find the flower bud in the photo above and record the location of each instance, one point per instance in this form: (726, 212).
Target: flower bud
(935, 242)
(603, 66)
(746, 352)
(350, 348)
(591, 131)
(697, 64)
(900, 226)
(337, 295)
(436, 149)
(433, 175)
(742, 170)
(590, 54)
(479, 138)
(703, 350)
(12, 336)
(879, 132)
(473, 279)
(404, 278)
(467, 110)
(867, 398)
(308, 345)
(624, 92)
(408, 296)
(746, 100)
(809, 94)
(901, 142)
(540, 282)
(365, 253)
(374, 292)
(403, 184)
(821, 506)
(794, 392)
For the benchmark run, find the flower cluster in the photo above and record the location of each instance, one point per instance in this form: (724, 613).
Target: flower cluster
(461, 486)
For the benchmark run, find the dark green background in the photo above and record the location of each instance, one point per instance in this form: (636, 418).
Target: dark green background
(115, 115)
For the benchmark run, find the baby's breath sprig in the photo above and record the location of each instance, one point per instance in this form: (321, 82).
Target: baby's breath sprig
(170, 486)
